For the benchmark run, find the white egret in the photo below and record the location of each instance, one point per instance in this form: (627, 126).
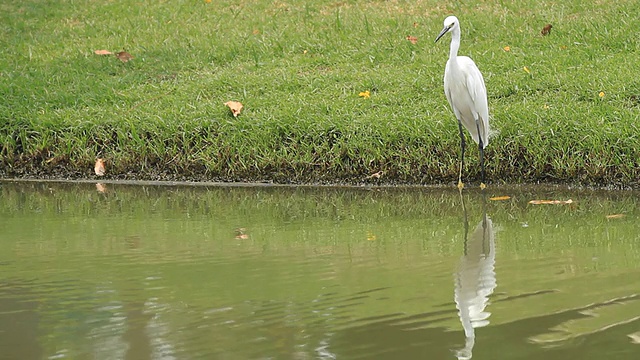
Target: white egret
(467, 95)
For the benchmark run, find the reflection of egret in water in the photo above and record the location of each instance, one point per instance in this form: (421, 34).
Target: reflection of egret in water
(475, 279)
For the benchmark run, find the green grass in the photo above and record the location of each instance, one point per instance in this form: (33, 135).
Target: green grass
(298, 67)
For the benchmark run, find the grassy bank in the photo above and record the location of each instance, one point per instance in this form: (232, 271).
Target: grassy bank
(298, 67)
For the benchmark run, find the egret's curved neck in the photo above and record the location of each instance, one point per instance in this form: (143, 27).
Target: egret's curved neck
(455, 44)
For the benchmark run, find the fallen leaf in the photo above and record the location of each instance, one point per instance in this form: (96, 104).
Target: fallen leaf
(99, 167)
(412, 39)
(124, 56)
(635, 337)
(235, 107)
(377, 175)
(256, 32)
(241, 234)
(365, 94)
(102, 188)
(546, 30)
(207, 1)
(55, 160)
(601, 94)
(500, 198)
(550, 202)
(371, 236)
(103, 52)
(615, 216)
(507, 48)
(526, 69)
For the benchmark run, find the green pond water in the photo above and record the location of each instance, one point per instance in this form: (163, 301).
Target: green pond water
(122, 271)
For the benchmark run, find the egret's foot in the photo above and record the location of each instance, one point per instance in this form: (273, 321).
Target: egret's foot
(482, 186)
(460, 185)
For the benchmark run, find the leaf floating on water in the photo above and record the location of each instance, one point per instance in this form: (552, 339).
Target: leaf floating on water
(615, 216)
(412, 39)
(635, 337)
(103, 52)
(546, 30)
(551, 202)
(235, 107)
(500, 198)
(102, 188)
(99, 167)
(124, 56)
(241, 234)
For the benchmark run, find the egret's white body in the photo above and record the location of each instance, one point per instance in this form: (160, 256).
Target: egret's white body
(466, 93)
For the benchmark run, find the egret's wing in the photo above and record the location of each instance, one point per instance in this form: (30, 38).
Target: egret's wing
(447, 91)
(477, 92)
(475, 82)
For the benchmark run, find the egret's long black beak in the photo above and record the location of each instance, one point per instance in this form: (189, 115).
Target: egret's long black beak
(444, 31)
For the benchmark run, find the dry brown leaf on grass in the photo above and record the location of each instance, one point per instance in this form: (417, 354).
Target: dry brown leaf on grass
(124, 56)
(412, 39)
(55, 160)
(546, 29)
(99, 167)
(615, 216)
(551, 202)
(101, 188)
(103, 52)
(500, 198)
(235, 107)
(377, 175)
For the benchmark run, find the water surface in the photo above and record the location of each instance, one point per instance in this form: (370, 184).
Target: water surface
(181, 272)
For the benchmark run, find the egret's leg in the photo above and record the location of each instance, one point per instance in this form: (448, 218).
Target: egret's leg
(462, 146)
(482, 184)
(481, 150)
(466, 222)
